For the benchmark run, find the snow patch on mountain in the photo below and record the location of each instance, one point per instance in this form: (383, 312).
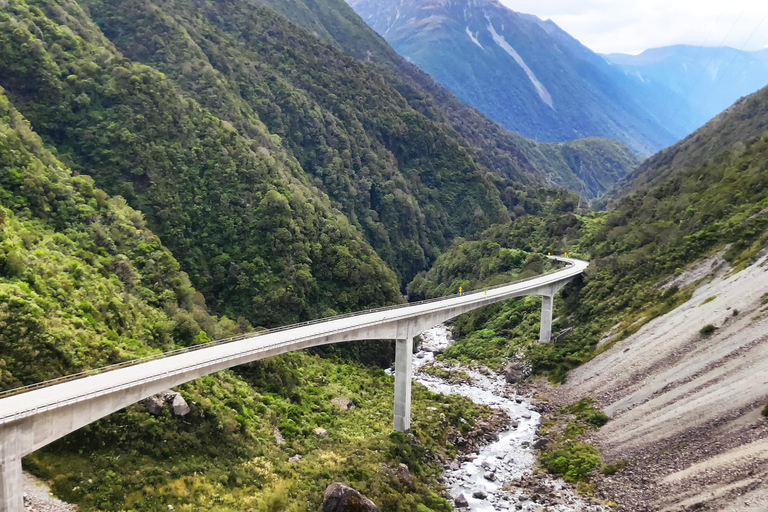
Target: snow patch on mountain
(504, 45)
(473, 37)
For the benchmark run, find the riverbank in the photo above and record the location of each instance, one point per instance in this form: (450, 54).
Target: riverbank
(501, 475)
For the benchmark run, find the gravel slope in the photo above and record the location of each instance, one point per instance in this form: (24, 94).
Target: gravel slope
(686, 410)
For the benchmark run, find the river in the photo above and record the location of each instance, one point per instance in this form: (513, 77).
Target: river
(497, 467)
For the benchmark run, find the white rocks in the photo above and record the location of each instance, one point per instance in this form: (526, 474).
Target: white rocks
(320, 432)
(156, 403)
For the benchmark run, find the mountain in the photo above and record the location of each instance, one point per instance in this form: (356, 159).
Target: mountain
(584, 166)
(525, 73)
(706, 80)
(704, 195)
(739, 126)
(255, 237)
(84, 283)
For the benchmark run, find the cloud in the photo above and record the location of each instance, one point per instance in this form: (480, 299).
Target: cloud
(608, 26)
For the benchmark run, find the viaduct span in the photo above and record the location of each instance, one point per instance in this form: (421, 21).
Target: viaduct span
(33, 417)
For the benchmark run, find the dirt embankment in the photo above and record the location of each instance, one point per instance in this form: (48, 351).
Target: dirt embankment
(686, 408)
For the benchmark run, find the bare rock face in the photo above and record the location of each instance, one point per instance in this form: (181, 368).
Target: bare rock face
(155, 404)
(278, 436)
(342, 498)
(320, 432)
(344, 404)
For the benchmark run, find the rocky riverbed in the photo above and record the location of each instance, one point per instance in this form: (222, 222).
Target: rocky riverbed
(500, 475)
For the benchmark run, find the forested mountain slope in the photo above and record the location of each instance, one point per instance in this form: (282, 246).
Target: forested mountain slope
(512, 155)
(84, 283)
(740, 125)
(255, 241)
(491, 146)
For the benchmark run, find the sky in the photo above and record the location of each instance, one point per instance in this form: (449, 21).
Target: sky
(631, 26)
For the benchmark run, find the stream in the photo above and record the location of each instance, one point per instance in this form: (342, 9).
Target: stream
(497, 465)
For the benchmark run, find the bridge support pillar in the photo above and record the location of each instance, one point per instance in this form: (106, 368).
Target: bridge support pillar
(403, 376)
(11, 493)
(545, 331)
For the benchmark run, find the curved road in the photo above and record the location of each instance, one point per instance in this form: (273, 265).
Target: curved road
(29, 420)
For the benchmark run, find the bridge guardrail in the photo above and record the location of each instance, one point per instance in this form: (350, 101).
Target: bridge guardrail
(194, 348)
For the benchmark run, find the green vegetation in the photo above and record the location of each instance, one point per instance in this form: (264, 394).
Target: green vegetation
(224, 454)
(644, 239)
(564, 454)
(83, 282)
(765, 411)
(707, 331)
(255, 245)
(612, 469)
(573, 461)
(587, 166)
(449, 374)
(586, 412)
(708, 300)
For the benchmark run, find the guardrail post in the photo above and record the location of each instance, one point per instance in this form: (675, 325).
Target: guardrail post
(403, 376)
(11, 492)
(545, 331)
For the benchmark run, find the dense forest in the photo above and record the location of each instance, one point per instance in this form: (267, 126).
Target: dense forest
(84, 283)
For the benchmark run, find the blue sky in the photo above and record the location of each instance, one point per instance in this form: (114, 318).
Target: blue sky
(631, 26)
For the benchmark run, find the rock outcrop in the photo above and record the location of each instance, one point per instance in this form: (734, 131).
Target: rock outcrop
(344, 404)
(342, 498)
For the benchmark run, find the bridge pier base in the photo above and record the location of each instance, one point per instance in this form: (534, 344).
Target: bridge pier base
(403, 376)
(11, 491)
(545, 331)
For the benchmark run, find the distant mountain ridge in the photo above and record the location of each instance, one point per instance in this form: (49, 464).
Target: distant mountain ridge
(706, 80)
(523, 72)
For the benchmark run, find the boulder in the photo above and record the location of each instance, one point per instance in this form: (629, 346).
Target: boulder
(342, 498)
(344, 404)
(403, 473)
(295, 458)
(180, 407)
(490, 476)
(480, 495)
(513, 373)
(156, 403)
(461, 501)
(320, 432)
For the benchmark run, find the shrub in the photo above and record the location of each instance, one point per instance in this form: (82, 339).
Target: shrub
(573, 461)
(765, 411)
(707, 331)
(612, 469)
(586, 411)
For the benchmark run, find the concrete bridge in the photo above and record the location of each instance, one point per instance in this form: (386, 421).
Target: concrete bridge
(38, 415)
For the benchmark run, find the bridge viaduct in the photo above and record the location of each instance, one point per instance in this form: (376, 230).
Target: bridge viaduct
(33, 417)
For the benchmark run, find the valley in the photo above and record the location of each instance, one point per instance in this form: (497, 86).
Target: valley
(248, 197)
